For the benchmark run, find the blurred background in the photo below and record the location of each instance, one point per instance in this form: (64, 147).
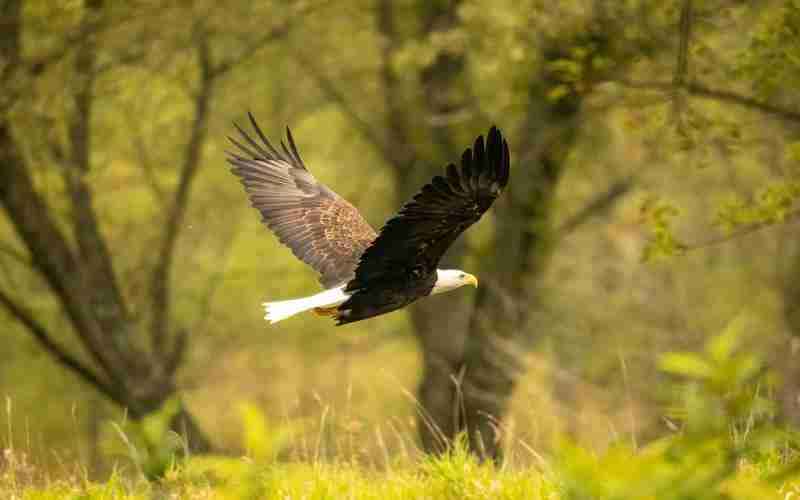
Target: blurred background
(655, 157)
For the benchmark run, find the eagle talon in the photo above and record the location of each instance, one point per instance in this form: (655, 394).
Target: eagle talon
(326, 311)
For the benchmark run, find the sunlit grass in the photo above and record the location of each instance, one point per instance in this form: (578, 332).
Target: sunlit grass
(454, 476)
(724, 445)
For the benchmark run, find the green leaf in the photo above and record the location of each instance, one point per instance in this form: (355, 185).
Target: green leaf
(256, 440)
(558, 92)
(721, 347)
(687, 365)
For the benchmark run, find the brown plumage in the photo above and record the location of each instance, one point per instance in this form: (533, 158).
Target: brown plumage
(320, 227)
(367, 274)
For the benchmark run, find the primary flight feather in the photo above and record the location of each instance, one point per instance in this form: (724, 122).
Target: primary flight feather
(364, 273)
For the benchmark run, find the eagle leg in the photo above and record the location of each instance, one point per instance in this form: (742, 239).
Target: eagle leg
(326, 311)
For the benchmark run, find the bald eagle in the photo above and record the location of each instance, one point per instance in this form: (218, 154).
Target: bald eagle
(363, 273)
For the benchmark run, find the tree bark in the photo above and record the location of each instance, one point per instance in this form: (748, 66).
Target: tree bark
(471, 352)
(132, 362)
(787, 357)
(499, 331)
(471, 371)
(441, 85)
(82, 278)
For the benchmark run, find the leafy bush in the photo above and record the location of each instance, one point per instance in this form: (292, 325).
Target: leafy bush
(725, 445)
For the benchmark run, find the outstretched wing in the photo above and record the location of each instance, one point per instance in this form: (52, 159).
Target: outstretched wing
(411, 244)
(321, 228)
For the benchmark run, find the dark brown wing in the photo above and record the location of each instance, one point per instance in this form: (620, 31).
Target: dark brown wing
(321, 228)
(400, 263)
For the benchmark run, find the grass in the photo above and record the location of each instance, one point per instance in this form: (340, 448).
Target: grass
(725, 445)
(456, 476)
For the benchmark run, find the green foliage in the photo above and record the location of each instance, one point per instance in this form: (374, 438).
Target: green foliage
(149, 442)
(659, 215)
(263, 439)
(157, 452)
(724, 423)
(772, 59)
(604, 308)
(771, 206)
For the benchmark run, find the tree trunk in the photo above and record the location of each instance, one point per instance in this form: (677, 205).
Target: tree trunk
(500, 332)
(788, 352)
(186, 426)
(473, 360)
(81, 275)
(469, 352)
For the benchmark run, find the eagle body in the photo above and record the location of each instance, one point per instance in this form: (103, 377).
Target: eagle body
(367, 273)
(445, 280)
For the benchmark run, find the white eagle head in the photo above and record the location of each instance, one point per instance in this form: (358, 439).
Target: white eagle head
(450, 279)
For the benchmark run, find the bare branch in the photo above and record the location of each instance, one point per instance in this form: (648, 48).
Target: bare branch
(209, 72)
(49, 250)
(744, 231)
(103, 294)
(326, 85)
(50, 253)
(145, 161)
(215, 280)
(393, 102)
(700, 91)
(129, 57)
(15, 254)
(682, 66)
(10, 30)
(40, 333)
(274, 34)
(251, 49)
(599, 204)
(160, 285)
(174, 357)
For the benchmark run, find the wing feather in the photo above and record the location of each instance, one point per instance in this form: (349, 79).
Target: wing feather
(418, 236)
(321, 228)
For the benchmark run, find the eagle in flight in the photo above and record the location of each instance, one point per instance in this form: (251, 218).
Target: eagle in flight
(364, 273)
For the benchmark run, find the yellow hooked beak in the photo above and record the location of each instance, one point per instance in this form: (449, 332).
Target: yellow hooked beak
(471, 280)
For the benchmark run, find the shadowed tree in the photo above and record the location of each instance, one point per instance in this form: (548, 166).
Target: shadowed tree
(129, 357)
(787, 358)
(471, 353)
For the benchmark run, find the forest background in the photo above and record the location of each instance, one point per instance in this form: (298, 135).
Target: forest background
(655, 161)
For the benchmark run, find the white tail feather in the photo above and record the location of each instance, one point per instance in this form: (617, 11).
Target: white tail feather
(277, 311)
(280, 310)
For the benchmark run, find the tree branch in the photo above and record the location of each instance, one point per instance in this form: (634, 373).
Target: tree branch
(10, 52)
(347, 107)
(174, 357)
(145, 161)
(160, 286)
(700, 91)
(39, 332)
(274, 34)
(682, 65)
(209, 73)
(600, 203)
(744, 231)
(50, 253)
(396, 122)
(15, 254)
(103, 294)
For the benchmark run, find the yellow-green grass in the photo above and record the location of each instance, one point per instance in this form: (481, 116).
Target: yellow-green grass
(455, 477)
